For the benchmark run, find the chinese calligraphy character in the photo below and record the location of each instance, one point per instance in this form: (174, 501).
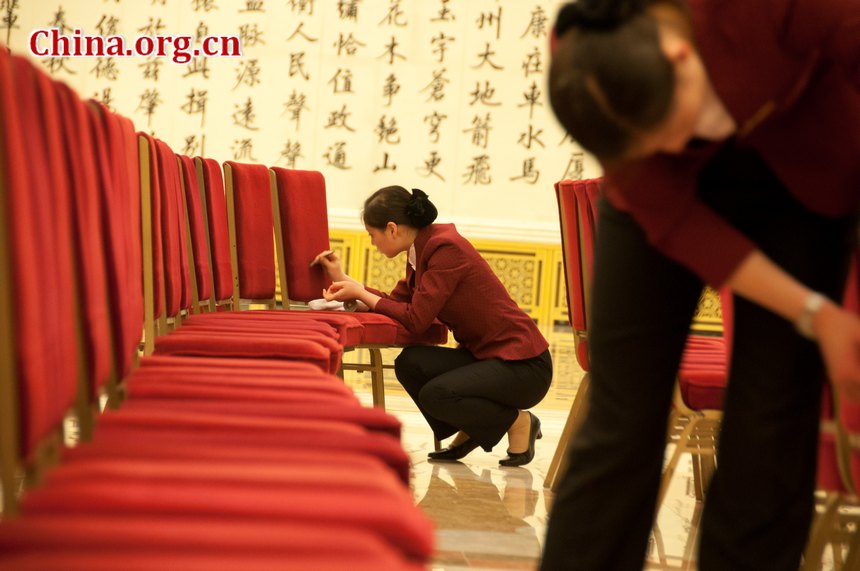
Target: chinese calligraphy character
(205, 5)
(250, 35)
(105, 97)
(348, 9)
(485, 96)
(485, 58)
(337, 119)
(107, 25)
(335, 156)
(532, 99)
(390, 49)
(291, 152)
(479, 171)
(151, 68)
(201, 32)
(153, 28)
(247, 72)
(435, 121)
(196, 104)
(348, 44)
(297, 65)
(575, 167)
(295, 105)
(537, 24)
(530, 174)
(390, 88)
(445, 15)
(59, 21)
(489, 19)
(341, 81)
(106, 68)
(302, 6)
(253, 6)
(480, 131)
(393, 18)
(198, 65)
(440, 45)
(388, 133)
(192, 145)
(532, 63)
(244, 115)
(385, 166)
(530, 137)
(430, 165)
(243, 149)
(437, 85)
(10, 18)
(149, 101)
(300, 32)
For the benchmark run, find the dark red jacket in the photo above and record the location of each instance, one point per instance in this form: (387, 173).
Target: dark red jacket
(453, 283)
(788, 72)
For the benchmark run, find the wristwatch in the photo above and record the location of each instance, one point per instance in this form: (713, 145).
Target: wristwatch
(803, 324)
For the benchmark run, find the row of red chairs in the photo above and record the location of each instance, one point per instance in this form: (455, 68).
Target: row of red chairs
(701, 383)
(231, 444)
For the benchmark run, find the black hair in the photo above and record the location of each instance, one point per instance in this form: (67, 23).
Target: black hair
(398, 205)
(609, 80)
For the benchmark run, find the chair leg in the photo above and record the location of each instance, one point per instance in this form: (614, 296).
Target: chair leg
(822, 528)
(377, 380)
(558, 465)
(437, 444)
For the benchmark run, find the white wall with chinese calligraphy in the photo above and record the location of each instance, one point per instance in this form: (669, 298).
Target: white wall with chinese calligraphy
(444, 95)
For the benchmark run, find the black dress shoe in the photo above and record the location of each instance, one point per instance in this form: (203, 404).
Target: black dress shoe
(454, 452)
(523, 458)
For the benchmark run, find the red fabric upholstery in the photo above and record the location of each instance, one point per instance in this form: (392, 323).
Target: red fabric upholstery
(176, 285)
(79, 135)
(254, 222)
(276, 404)
(123, 540)
(216, 216)
(155, 195)
(571, 248)
(221, 363)
(204, 344)
(120, 206)
(38, 227)
(196, 223)
(214, 430)
(349, 329)
(304, 226)
(136, 560)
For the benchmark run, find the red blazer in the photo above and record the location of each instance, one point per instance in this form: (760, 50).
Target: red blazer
(788, 71)
(453, 283)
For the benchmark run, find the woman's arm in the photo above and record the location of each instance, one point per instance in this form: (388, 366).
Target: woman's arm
(837, 331)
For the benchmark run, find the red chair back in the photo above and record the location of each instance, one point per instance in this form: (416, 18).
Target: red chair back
(197, 228)
(252, 200)
(304, 229)
(216, 216)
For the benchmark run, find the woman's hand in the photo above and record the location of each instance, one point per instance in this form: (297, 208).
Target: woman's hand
(330, 262)
(838, 334)
(344, 291)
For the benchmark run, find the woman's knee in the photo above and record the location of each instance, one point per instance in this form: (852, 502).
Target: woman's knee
(407, 364)
(435, 398)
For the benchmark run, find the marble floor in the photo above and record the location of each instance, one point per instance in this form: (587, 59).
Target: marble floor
(490, 517)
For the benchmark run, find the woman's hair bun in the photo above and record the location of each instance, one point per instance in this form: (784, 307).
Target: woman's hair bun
(419, 210)
(597, 14)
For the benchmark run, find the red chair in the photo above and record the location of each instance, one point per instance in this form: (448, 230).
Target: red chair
(702, 375)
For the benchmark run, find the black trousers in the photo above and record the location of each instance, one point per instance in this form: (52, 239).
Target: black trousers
(455, 391)
(759, 506)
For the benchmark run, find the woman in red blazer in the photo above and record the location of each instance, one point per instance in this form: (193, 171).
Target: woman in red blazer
(729, 132)
(502, 365)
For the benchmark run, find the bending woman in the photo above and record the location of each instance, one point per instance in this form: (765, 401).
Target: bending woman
(729, 133)
(502, 366)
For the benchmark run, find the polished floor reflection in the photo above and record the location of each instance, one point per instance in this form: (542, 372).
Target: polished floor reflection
(492, 517)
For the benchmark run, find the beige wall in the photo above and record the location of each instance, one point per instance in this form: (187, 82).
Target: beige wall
(306, 34)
